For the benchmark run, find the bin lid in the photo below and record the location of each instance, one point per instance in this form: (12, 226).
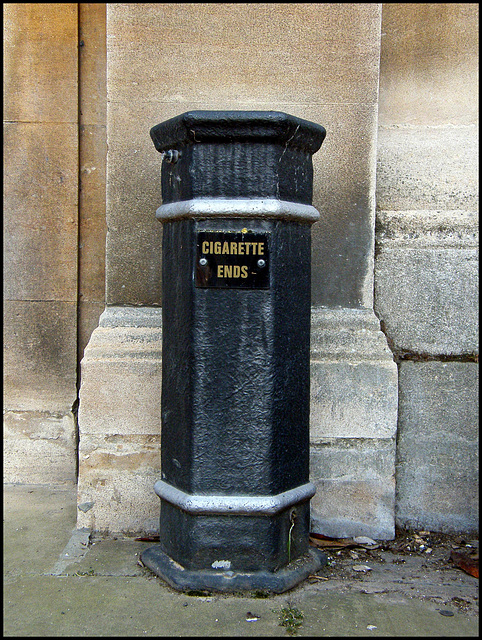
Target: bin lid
(237, 126)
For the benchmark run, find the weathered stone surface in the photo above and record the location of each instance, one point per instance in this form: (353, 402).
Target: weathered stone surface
(40, 62)
(92, 222)
(355, 488)
(39, 447)
(92, 152)
(122, 371)
(353, 400)
(344, 334)
(92, 52)
(431, 228)
(429, 64)
(115, 316)
(120, 422)
(426, 274)
(121, 382)
(40, 211)
(121, 391)
(88, 320)
(92, 165)
(256, 52)
(437, 457)
(40, 350)
(426, 281)
(40, 241)
(353, 377)
(343, 193)
(256, 75)
(353, 423)
(342, 241)
(116, 483)
(427, 167)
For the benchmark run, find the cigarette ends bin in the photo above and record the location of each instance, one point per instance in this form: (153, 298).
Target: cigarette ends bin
(234, 486)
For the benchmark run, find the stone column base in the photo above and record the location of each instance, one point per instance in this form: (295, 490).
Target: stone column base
(120, 423)
(353, 425)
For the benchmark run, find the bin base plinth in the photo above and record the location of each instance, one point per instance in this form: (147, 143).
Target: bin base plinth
(229, 581)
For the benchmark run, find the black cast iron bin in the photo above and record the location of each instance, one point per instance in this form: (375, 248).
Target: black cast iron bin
(237, 214)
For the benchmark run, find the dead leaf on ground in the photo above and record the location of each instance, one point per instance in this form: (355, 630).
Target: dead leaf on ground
(325, 542)
(467, 561)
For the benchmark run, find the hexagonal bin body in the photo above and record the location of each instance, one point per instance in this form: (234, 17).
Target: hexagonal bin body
(237, 215)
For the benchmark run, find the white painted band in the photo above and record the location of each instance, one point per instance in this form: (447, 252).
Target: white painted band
(237, 208)
(233, 505)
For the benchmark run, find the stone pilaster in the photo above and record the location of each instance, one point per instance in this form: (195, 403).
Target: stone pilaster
(120, 421)
(353, 425)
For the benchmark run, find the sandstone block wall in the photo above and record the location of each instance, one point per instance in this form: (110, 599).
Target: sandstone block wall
(396, 184)
(315, 61)
(40, 242)
(426, 265)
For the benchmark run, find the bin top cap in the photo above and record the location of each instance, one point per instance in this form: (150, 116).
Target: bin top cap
(237, 126)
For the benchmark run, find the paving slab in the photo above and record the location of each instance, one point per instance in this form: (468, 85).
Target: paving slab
(101, 589)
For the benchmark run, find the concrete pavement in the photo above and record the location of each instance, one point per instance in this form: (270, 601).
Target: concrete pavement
(63, 582)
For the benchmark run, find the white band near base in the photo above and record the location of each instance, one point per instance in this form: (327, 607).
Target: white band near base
(233, 505)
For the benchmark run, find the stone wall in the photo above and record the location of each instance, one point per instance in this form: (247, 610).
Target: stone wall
(40, 241)
(54, 227)
(92, 163)
(394, 278)
(426, 267)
